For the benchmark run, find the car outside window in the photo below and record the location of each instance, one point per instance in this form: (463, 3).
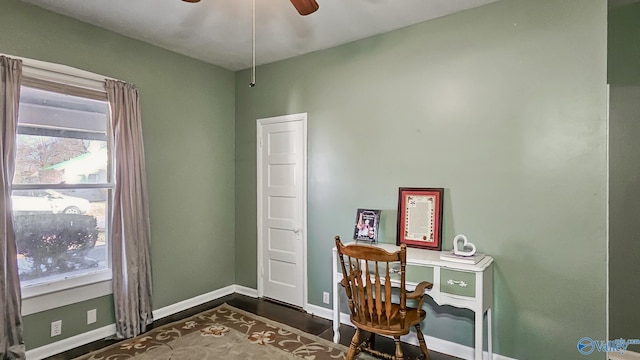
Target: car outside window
(62, 184)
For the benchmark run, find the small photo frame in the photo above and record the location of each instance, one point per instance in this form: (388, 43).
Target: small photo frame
(367, 225)
(420, 217)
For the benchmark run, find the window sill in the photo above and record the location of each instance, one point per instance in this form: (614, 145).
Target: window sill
(51, 295)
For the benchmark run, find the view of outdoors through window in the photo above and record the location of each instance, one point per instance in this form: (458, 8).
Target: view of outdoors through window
(61, 186)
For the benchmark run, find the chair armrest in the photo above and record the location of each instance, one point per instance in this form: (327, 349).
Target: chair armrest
(419, 291)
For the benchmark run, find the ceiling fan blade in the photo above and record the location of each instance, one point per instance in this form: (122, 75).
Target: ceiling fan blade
(305, 7)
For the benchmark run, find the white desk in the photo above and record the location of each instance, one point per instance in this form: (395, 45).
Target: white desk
(457, 284)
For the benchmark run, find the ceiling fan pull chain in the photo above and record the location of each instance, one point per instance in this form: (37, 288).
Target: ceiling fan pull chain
(253, 52)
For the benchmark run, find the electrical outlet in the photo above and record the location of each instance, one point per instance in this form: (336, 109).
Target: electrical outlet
(325, 297)
(56, 328)
(91, 316)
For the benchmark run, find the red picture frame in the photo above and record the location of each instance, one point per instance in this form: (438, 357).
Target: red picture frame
(420, 217)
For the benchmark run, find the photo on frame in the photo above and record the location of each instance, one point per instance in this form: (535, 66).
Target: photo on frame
(367, 225)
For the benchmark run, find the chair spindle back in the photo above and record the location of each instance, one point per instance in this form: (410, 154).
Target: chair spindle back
(367, 281)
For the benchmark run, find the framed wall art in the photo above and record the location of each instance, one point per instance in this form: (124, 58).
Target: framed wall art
(420, 217)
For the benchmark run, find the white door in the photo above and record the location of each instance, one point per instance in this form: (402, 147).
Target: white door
(282, 208)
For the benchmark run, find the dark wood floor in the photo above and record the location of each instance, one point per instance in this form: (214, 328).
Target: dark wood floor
(277, 312)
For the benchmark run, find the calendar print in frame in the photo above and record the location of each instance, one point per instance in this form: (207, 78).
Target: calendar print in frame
(420, 217)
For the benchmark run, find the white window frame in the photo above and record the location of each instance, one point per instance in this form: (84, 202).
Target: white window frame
(80, 287)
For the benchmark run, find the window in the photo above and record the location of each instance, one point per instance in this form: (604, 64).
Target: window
(62, 186)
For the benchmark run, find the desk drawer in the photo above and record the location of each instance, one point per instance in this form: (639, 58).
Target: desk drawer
(458, 282)
(415, 274)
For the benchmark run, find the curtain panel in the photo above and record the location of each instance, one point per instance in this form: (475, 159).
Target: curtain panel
(11, 341)
(131, 254)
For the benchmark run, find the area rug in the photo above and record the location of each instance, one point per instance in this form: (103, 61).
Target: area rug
(223, 333)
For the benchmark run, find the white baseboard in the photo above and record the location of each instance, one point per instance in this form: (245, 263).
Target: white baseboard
(243, 290)
(204, 298)
(104, 332)
(319, 311)
(71, 343)
(628, 355)
(435, 344)
(192, 302)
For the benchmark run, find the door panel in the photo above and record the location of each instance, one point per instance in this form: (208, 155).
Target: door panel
(282, 198)
(282, 207)
(281, 175)
(282, 240)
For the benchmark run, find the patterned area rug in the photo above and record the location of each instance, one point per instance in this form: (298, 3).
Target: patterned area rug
(223, 333)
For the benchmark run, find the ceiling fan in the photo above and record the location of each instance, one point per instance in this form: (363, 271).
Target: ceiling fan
(304, 7)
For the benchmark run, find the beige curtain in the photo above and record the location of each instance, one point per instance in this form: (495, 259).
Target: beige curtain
(11, 343)
(130, 225)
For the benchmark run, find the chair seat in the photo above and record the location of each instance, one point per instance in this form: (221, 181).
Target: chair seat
(394, 327)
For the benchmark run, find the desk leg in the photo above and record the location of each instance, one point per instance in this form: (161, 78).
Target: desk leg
(489, 339)
(336, 315)
(478, 334)
(336, 301)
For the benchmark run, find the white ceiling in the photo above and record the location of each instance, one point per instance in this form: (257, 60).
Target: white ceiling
(219, 31)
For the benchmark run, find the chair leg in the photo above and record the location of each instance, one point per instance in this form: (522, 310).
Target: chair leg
(423, 344)
(398, 349)
(353, 346)
(372, 340)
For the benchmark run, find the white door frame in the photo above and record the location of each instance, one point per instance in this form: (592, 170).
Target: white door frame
(259, 124)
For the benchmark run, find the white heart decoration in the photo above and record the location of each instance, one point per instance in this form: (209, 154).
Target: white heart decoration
(463, 247)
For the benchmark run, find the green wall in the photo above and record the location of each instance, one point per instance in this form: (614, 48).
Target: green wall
(37, 328)
(188, 124)
(624, 173)
(623, 44)
(505, 107)
(624, 228)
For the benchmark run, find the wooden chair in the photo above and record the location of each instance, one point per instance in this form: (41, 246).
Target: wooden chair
(370, 297)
